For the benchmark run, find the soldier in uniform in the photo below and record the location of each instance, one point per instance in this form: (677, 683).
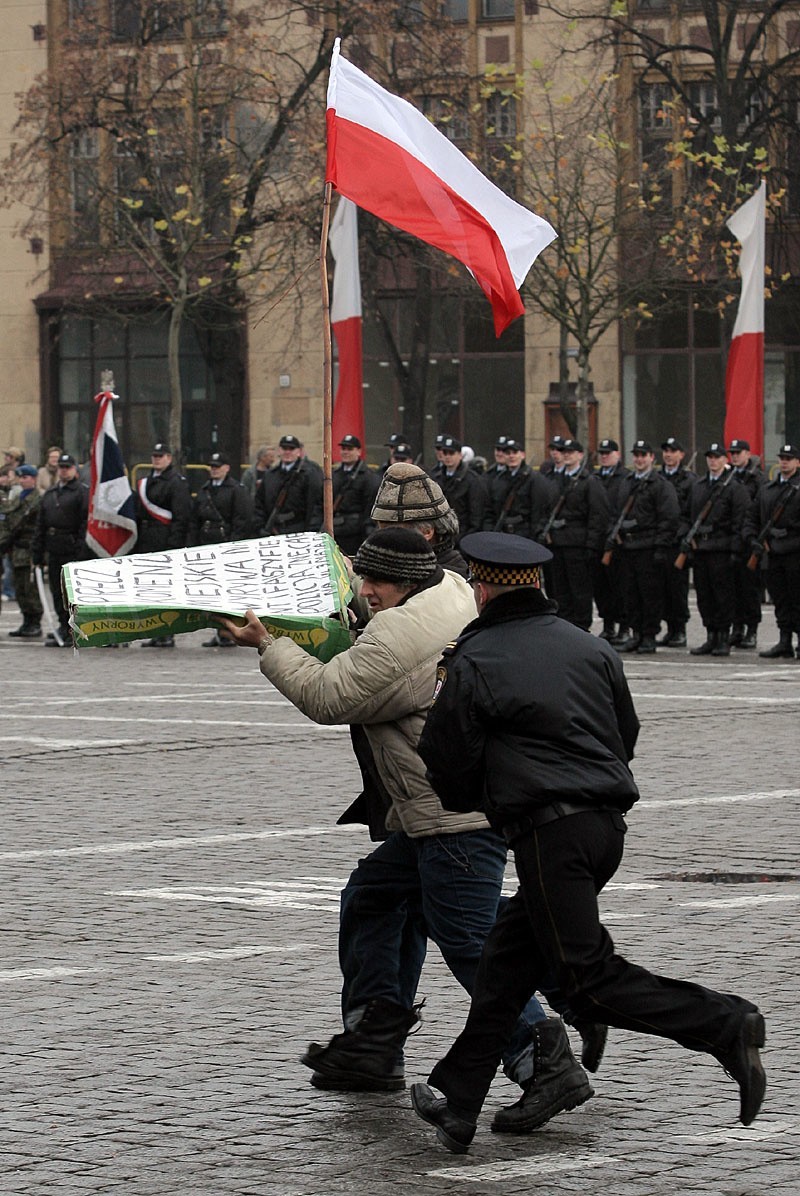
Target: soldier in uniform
(61, 536)
(164, 510)
(290, 498)
(496, 470)
(576, 534)
(777, 510)
(716, 544)
(518, 497)
(221, 511)
(676, 581)
(463, 489)
(17, 531)
(354, 488)
(646, 537)
(439, 467)
(746, 582)
(609, 591)
(555, 462)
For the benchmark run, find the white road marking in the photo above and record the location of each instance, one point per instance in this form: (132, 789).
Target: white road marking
(60, 744)
(305, 726)
(53, 973)
(125, 848)
(739, 902)
(225, 953)
(549, 1165)
(721, 799)
(753, 1133)
(721, 696)
(254, 899)
(155, 699)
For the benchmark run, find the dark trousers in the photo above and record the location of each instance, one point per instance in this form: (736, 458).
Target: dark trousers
(644, 590)
(30, 606)
(609, 588)
(746, 594)
(713, 582)
(552, 925)
(54, 566)
(783, 582)
(572, 585)
(676, 592)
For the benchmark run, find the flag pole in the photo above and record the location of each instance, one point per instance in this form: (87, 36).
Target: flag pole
(327, 371)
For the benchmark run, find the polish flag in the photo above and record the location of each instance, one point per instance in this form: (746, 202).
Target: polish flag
(348, 407)
(744, 377)
(111, 529)
(390, 160)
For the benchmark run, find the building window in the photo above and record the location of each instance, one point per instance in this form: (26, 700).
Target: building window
(84, 181)
(498, 10)
(655, 132)
(456, 10)
(450, 116)
(500, 117)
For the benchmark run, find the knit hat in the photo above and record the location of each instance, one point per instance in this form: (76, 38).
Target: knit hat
(396, 554)
(408, 495)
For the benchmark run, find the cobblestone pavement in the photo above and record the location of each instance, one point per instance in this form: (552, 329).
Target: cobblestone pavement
(170, 874)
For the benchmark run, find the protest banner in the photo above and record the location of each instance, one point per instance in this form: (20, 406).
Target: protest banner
(296, 584)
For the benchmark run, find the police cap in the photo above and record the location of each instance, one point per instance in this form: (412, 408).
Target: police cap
(571, 446)
(160, 449)
(349, 442)
(715, 450)
(672, 443)
(789, 450)
(451, 445)
(402, 452)
(513, 446)
(501, 442)
(503, 560)
(394, 439)
(737, 446)
(289, 441)
(642, 446)
(608, 446)
(217, 459)
(65, 459)
(556, 442)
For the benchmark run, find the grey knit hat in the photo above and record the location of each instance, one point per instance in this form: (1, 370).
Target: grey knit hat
(395, 554)
(408, 495)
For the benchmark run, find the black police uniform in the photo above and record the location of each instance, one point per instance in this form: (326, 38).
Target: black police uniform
(168, 527)
(781, 561)
(647, 538)
(220, 512)
(576, 537)
(354, 490)
(465, 492)
(609, 585)
(516, 503)
(676, 581)
(290, 500)
(747, 582)
(716, 544)
(61, 537)
(533, 723)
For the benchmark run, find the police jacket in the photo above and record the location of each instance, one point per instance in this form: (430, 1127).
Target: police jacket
(465, 493)
(784, 537)
(652, 521)
(18, 525)
(752, 477)
(220, 513)
(611, 481)
(385, 683)
(290, 500)
(582, 519)
(518, 503)
(354, 493)
(683, 480)
(163, 511)
(61, 523)
(723, 528)
(529, 710)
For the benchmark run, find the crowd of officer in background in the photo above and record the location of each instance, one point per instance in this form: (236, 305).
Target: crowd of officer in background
(624, 540)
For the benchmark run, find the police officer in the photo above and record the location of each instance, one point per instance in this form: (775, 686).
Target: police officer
(555, 462)
(746, 582)
(222, 510)
(17, 532)
(518, 497)
(438, 469)
(578, 521)
(648, 508)
(354, 488)
(558, 786)
(772, 529)
(61, 536)
(676, 581)
(290, 498)
(463, 489)
(164, 509)
(609, 591)
(716, 544)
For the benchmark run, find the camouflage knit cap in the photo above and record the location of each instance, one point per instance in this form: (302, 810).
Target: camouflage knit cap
(408, 495)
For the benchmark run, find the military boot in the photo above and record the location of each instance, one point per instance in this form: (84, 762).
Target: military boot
(609, 630)
(677, 637)
(30, 630)
(782, 648)
(722, 645)
(749, 639)
(737, 635)
(559, 1083)
(368, 1055)
(707, 648)
(620, 637)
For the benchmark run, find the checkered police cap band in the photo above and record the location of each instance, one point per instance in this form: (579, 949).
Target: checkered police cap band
(505, 575)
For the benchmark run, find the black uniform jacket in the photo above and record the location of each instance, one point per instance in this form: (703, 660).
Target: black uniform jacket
(652, 521)
(354, 493)
(221, 513)
(723, 528)
(683, 480)
(582, 520)
(170, 491)
(297, 494)
(529, 710)
(517, 503)
(466, 494)
(611, 482)
(784, 538)
(61, 525)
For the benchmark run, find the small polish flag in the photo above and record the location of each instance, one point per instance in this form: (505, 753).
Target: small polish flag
(744, 376)
(390, 160)
(348, 407)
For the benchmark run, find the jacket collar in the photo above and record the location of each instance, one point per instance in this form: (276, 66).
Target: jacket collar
(436, 578)
(510, 605)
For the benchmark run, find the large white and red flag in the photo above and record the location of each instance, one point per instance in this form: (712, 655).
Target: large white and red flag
(744, 377)
(348, 406)
(111, 529)
(389, 159)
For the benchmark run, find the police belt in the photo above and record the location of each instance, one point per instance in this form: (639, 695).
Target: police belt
(512, 831)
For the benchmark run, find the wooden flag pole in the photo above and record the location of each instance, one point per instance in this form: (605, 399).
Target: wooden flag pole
(327, 371)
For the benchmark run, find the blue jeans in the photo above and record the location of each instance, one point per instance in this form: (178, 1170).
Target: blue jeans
(443, 887)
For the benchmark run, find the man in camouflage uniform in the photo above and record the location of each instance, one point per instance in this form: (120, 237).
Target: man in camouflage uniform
(17, 530)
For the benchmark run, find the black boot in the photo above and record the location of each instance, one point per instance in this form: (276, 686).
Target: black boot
(737, 635)
(782, 648)
(368, 1055)
(609, 630)
(722, 646)
(559, 1083)
(707, 648)
(31, 629)
(620, 637)
(646, 645)
(629, 644)
(677, 637)
(454, 1130)
(749, 639)
(593, 1043)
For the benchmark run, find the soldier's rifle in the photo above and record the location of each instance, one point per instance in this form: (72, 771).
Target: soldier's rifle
(511, 498)
(614, 536)
(280, 501)
(763, 536)
(545, 537)
(688, 541)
